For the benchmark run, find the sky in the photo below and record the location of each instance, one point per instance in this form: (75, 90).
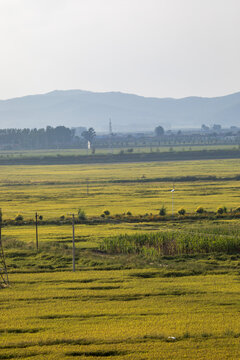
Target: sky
(154, 48)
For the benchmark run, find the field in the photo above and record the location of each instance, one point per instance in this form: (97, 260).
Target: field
(66, 152)
(122, 302)
(62, 189)
(120, 314)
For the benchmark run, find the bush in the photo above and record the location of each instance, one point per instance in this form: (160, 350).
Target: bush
(200, 210)
(163, 211)
(106, 212)
(222, 210)
(19, 217)
(40, 217)
(81, 214)
(129, 213)
(62, 217)
(181, 211)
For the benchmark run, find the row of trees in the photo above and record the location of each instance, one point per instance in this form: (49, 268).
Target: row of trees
(36, 138)
(63, 137)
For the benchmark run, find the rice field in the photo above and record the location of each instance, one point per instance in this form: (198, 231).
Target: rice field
(122, 314)
(136, 300)
(54, 191)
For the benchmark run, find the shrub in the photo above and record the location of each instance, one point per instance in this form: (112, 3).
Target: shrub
(40, 217)
(62, 217)
(106, 212)
(19, 217)
(81, 214)
(181, 211)
(129, 213)
(222, 210)
(163, 211)
(199, 210)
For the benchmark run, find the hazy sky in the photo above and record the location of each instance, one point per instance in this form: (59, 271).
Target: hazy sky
(163, 48)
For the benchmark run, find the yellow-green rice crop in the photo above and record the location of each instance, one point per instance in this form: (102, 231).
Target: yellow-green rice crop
(54, 191)
(129, 314)
(147, 309)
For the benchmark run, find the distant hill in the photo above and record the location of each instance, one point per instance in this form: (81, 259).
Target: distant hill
(128, 112)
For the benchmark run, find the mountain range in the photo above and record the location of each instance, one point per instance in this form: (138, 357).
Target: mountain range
(128, 112)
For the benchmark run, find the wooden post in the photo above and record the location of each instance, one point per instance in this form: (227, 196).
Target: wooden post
(73, 240)
(36, 224)
(87, 188)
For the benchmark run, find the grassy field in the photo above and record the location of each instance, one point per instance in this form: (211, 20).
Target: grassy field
(67, 152)
(120, 314)
(118, 305)
(58, 190)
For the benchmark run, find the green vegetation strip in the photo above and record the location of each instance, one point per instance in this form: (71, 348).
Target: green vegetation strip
(158, 244)
(122, 158)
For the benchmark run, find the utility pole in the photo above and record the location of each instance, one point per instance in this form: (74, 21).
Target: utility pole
(73, 242)
(36, 225)
(110, 127)
(3, 268)
(87, 187)
(172, 191)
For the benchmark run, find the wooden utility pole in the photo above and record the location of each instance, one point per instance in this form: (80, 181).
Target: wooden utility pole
(36, 224)
(172, 191)
(73, 242)
(87, 187)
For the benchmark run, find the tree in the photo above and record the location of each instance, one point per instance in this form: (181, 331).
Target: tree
(199, 210)
(81, 214)
(159, 131)
(181, 211)
(222, 210)
(89, 135)
(217, 127)
(204, 127)
(163, 211)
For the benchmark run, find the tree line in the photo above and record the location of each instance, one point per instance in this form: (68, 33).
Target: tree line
(36, 138)
(62, 137)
